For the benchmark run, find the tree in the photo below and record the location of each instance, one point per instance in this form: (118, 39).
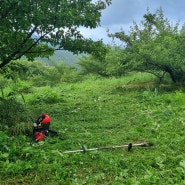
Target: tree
(155, 46)
(89, 64)
(33, 28)
(115, 65)
(112, 65)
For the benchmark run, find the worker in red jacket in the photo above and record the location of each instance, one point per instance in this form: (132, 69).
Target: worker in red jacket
(41, 127)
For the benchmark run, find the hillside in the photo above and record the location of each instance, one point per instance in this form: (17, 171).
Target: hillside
(61, 56)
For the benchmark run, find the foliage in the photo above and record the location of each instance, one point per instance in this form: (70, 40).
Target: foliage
(90, 65)
(36, 29)
(67, 73)
(112, 65)
(102, 112)
(3, 84)
(11, 112)
(155, 46)
(15, 71)
(44, 75)
(4, 144)
(114, 60)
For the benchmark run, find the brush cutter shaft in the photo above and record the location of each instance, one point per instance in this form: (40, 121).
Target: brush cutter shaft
(84, 150)
(109, 147)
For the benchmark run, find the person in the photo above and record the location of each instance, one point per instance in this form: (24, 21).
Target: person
(41, 127)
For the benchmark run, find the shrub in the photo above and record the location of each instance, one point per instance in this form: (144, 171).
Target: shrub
(11, 112)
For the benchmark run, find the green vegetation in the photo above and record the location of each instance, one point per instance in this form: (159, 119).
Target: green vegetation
(30, 33)
(112, 65)
(99, 112)
(155, 46)
(116, 96)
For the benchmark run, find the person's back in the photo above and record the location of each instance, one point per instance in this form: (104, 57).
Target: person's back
(41, 127)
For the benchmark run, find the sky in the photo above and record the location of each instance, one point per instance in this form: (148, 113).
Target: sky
(122, 13)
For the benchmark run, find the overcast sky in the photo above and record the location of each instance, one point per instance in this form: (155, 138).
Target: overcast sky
(122, 13)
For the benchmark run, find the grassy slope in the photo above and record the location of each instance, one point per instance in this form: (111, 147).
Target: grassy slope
(105, 112)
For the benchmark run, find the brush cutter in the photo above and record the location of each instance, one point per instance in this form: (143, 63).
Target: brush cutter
(129, 147)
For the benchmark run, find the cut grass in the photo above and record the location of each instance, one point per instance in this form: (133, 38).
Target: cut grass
(104, 112)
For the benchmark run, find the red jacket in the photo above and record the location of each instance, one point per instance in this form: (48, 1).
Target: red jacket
(45, 119)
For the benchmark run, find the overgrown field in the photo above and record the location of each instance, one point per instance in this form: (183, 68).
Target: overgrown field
(101, 112)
